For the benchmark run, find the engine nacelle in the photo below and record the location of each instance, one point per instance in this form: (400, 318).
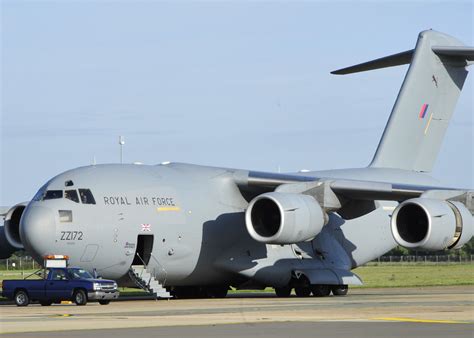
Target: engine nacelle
(280, 218)
(12, 225)
(6, 249)
(432, 224)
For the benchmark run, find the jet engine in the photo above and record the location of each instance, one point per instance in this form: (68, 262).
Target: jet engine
(6, 249)
(432, 224)
(284, 218)
(12, 225)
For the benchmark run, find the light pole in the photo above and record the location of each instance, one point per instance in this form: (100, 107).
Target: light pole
(121, 142)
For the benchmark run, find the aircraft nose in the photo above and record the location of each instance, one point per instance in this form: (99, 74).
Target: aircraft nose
(37, 230)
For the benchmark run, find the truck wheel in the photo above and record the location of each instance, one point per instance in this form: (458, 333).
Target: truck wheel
(22, 298)
(104, 302)
(46, 302)
(80, 297)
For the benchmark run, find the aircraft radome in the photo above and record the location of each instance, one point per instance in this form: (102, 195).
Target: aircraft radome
(194, 231)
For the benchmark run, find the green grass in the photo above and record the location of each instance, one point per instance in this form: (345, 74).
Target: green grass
(408, 275)
(374, 276)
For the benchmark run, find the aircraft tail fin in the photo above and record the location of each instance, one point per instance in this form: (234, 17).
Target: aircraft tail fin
(415, 130)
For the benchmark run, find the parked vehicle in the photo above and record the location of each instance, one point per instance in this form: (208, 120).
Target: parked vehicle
(57, 284)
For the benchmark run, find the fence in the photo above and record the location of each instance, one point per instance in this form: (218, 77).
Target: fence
(27, 263)
(433, 259)
(18, 264)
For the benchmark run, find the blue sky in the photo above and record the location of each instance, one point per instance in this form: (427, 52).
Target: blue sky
(234, 84)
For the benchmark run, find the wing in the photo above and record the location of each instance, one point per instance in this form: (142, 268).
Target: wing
(333, 193)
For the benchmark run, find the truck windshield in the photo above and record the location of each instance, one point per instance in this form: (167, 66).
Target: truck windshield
(79, 274)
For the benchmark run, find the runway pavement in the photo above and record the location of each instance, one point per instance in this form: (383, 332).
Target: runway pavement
(412, 312)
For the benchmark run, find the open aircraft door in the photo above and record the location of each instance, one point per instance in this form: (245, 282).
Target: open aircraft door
(144, 250)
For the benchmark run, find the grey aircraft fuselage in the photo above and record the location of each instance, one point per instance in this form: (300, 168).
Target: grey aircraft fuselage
(196, 217)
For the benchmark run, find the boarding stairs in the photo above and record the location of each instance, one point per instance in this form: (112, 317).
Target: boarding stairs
(147, 280)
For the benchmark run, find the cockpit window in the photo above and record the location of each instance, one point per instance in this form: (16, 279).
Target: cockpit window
(39, 195)
(71, 195)
(53, 194)
(86, 196)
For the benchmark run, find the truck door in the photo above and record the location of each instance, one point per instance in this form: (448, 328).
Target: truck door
(57, 286)
(36, 289)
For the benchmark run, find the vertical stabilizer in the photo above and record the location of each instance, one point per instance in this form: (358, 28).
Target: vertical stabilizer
(426, 101)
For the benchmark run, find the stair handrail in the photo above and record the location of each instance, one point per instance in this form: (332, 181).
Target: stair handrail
(162, 269)
(135, 279)
(145, 267)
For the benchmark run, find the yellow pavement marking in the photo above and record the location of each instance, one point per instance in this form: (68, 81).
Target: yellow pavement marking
(415, 320)
(168, 209)
(63, 315)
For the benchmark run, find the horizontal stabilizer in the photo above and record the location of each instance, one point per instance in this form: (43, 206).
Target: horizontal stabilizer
(466, 53)
(403, 58)
(399, 59)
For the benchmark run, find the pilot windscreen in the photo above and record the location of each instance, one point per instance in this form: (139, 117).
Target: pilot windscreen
(86, 196)
(71, 195)
(53, 194)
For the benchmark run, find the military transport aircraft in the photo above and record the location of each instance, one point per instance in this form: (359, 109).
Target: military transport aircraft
(193, 231)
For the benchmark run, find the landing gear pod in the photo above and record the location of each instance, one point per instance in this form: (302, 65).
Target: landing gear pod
(431, 224)
(281, 218)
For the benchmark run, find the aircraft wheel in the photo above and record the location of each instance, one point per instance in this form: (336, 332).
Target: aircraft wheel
(46, 302)
(80, 297)
(22, 298)
(186, 292)
(284, 291)
(320, 290)
(104, 302)
(303, 291)
(340, 290)
(217, 291)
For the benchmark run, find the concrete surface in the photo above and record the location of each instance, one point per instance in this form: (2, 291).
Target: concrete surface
(407, 312)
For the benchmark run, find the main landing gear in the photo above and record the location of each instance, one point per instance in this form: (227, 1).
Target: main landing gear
(317, 290)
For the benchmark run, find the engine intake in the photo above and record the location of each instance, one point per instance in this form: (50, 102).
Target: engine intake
(12, 225)
(432, 224)
(281, 218)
